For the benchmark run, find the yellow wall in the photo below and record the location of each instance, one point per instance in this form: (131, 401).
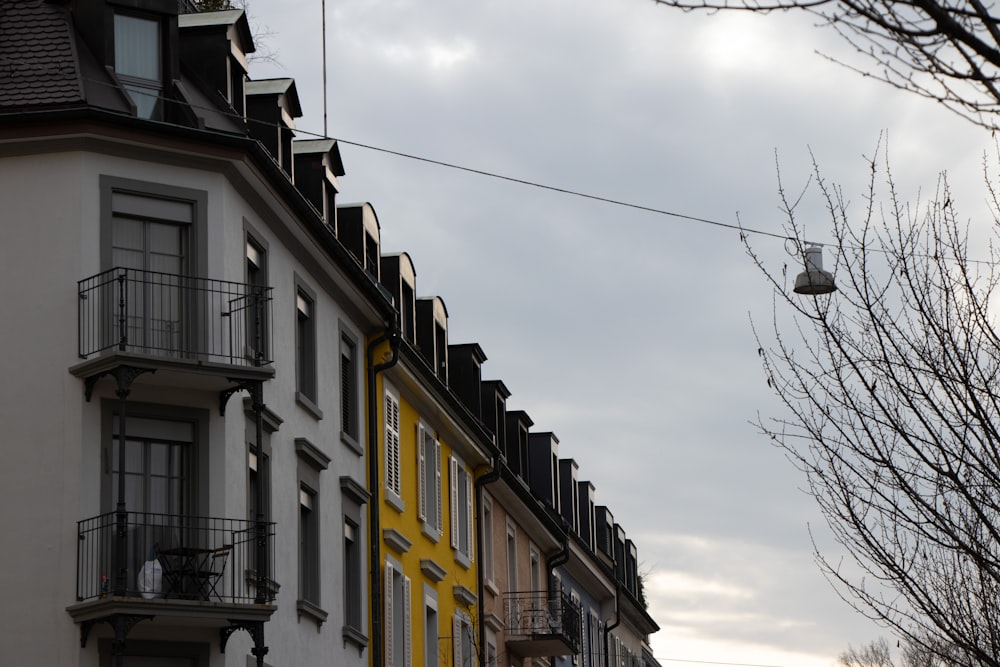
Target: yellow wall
(408, 523)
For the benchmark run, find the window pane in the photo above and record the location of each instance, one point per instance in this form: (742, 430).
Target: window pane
(137, 47)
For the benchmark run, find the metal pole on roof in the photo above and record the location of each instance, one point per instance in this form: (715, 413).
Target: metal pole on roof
(323, 7)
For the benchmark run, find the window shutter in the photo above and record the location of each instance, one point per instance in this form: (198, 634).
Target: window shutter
(392, 444)
(438, 487)
(388, 616)
(468, 514)
(456, 639)
(421, 474)
(407, 638)
(453, 477)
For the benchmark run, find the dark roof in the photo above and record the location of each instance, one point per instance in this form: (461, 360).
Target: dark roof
(38, 64)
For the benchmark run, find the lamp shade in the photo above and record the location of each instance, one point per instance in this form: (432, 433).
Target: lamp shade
(814, 280)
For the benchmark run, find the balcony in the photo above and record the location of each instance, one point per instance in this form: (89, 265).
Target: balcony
(173, 567)
(174, 323)
(542, 624)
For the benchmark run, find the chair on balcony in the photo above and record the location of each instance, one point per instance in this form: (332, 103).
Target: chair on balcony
(213, 585)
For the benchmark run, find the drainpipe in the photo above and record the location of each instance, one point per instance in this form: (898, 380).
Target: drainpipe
(491, 476)
(618, 619)
(391, 334)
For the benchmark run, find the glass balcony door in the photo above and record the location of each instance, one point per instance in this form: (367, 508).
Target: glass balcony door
(154, 305)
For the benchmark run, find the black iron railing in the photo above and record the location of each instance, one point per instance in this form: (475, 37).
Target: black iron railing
(541, 614)
(174, 557)
(170, 315)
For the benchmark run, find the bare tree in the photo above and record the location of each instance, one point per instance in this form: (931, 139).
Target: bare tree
(892, 410)
(878, 654)
(945, 50)
(873, 654)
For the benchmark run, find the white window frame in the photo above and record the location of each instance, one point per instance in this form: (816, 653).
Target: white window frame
(393, 480)
(429, 483)
(460, 481)
(461, 626)
(396, 637)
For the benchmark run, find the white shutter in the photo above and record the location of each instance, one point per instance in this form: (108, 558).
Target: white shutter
(456, 639)
(453, 478)
(438, 487)
(468, 514)
(407, 639)
(388, 616)
(421, 474)
(392, 482)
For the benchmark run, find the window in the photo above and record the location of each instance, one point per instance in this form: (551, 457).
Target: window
(149, 240)
(397, 616)
(491, 649)
(256, 334)
(487, 530)
(575, 597)
(259, 466)
(512, 559)
(305, 346)
(429, 480)
(431, 631)
(393, 485)
(157, 465)
(348, 387)
(138, 62)
(462, 641)
(406, 311)
(461, 510)
(352, 576)
(308, 546)
(535, 569)
(441, 352)
(353, 496)
(311, 462)
(371, 256)
(593, 639)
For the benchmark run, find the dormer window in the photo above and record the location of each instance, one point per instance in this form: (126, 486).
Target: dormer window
(406, 312)
(371, 256)
(139, 63)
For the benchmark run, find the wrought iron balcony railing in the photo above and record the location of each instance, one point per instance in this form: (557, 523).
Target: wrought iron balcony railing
(541, 616)
(181, 317)
(165, 556)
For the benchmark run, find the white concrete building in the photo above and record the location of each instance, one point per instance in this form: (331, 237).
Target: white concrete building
(177, 305)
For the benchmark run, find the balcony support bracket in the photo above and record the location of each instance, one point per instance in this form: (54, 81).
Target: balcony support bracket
(255, 388)
(124, 377)
(256, 630)
(122, 624)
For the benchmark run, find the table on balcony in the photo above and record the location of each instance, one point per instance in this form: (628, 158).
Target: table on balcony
(188, 572)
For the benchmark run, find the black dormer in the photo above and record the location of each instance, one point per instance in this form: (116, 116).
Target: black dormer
(515, 446)
(619, 553)
(317, 166)
(631, 569)
(272, 106)
(588, 514)
(400, 278)
(465, 375)
(215, 45)
(137, 41)
(605, 531)
(543, 454)
(432, 334)
(494, 395)
(569, 491)
(358, 230)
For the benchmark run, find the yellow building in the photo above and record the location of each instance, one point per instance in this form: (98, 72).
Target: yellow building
(430, 451)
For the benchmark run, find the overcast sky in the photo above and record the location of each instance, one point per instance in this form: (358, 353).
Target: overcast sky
(625, 332)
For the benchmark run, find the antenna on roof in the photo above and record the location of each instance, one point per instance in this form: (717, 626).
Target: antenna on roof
(323, 8)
